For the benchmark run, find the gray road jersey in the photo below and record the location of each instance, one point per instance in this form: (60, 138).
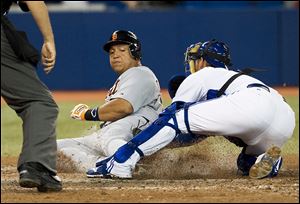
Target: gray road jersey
(140, 87)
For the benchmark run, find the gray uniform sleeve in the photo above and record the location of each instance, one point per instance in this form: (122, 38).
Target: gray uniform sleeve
(137, 86)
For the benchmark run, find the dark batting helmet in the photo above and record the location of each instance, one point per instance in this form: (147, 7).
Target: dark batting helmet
(125, 37)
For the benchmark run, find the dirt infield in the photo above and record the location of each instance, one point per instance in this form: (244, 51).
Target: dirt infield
(167, 176)
(207, 175)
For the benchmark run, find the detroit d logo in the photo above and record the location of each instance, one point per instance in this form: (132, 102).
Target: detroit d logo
(114, 36)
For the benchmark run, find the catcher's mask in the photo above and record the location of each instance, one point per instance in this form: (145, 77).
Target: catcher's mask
(190, 56)
(125, 37)
(214, 52)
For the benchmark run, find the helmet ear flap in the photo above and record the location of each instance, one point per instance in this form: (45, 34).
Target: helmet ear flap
(135, 51)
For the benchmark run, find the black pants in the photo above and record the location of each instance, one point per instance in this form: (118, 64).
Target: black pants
(23, 91)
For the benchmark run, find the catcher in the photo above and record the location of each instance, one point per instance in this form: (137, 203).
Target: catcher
(131, 105)
(213, 100)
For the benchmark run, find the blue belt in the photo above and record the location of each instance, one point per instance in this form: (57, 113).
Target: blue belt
(259, 85)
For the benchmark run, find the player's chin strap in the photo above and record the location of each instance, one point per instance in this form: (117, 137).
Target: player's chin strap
(155, 135)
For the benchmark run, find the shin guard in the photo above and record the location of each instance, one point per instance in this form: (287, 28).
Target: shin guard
(153, 138)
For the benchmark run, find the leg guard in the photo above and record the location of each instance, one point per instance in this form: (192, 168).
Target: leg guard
(162, 125)
(123, 162)
(153, 138)
(128, 149)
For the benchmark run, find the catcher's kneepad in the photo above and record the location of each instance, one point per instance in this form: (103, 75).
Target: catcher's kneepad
(174, 84)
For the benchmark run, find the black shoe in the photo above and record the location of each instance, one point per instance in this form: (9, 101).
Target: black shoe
(33, 174)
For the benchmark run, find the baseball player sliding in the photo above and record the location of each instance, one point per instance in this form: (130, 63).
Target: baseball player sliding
(213, 100)
(131, 105)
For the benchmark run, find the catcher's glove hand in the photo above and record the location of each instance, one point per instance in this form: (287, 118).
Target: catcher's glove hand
(79, 111)
(174, 84)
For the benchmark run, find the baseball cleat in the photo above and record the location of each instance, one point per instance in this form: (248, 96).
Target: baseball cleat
(267, 164)
(97, 172)
(110, 169)
(100, 170)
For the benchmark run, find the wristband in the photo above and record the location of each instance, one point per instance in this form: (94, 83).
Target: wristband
(92, 114)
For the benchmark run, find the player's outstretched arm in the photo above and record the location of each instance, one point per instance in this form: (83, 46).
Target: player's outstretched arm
(110, 111)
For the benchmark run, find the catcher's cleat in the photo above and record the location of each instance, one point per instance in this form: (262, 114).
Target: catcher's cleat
(33, 174)
(245, 162)
(110, 169)
(267, 164)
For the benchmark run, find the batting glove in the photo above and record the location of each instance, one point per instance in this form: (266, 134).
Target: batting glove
(78, 112)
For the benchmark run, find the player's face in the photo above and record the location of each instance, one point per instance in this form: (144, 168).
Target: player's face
(199, 64)
(120, 58)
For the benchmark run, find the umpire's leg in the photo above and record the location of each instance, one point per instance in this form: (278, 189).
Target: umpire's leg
(30, 98)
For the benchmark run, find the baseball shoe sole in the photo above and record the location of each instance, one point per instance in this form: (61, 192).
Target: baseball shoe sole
(98, 176)
(265, 166)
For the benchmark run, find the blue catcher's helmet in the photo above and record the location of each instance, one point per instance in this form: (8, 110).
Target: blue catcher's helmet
(214, 52)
